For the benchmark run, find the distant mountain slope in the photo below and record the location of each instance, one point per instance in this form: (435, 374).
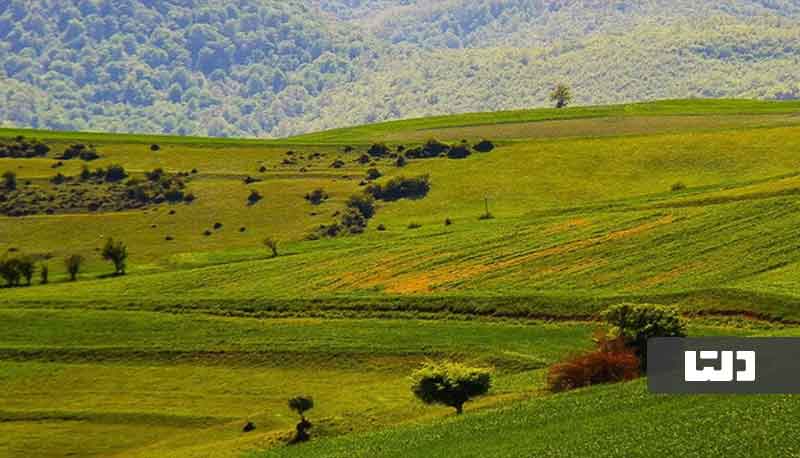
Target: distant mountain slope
(275, 68)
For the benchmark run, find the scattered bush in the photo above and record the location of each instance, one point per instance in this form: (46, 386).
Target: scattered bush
(115, 173)
(432, 148)
(414, 225)
(337, 164)
(378, 150)
(217, 226)
(373, 174)
(116, 253)
(448, 222)
(401, 161)
(401, 188)
(79, 151)
(483, 146)
(207, 232)
(611, 362)
(254, 197)
(364, 159)
(10, 181)
(73, 264)
(635, 323)
(364, 204)
(154, 147)
(21, 148)
(58, 179)
(262, 169)
(155, 174)
(458, 152)
(679, 186)
(450, 384)
(317, 196)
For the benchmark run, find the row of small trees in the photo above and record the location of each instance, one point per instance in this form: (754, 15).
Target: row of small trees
(16, 269)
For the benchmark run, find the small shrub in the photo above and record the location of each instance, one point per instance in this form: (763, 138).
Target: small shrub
(448, 222)
(254, 197)
(317, 196)
(207, 232)
(611, 362)
(679, 186)
(431, 149)
(373, 174)
(459, 152)
(337, 164)
(401, 161)
(154, 147)
(217, 226)
(450, 384)
(381, 227)
(483, 146)
(188, 198)
(44, 274)
(262, 169)
(58, 179)
(155, 174)
(414, 225)
(115, 173)
(10, 181)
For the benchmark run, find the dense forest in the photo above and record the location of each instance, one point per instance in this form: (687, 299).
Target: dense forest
(275, 68)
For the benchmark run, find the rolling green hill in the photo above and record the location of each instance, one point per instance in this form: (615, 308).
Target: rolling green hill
(688, 203)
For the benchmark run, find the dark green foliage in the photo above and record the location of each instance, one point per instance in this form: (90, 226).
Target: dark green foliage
(154, 147)
(373, 174)
(254, 197)
(27, 267)
(483, 146)
(155, 174)
(21, 148)
(381, 227)
(13, 270)
(401, 161)
(379, 150)
(635, 323)
(58, 179)
(401, 188)
(116, 253)
(458, 152)
(450, 384)
(414, 225)
(10, 181)
(448, 222)
(79, 151)
(317, 196)
(73, 264)
(431, 149)
(116, 173)
(364, 204)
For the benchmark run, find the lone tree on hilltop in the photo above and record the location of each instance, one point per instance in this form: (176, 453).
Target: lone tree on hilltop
(450, 384)
(117, 253)
(73, 264)
(561, 95)
(301, 405)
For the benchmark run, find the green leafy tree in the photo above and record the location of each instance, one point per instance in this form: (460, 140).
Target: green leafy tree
(561, 95)
(301, 405)
(73, 263)
(26, 268)
(635, 323)
(116, 253)
(10, 271)
(450, 384)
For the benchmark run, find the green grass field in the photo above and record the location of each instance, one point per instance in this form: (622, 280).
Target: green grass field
(206, 332)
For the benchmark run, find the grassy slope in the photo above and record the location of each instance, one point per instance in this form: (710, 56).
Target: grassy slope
(584, 217)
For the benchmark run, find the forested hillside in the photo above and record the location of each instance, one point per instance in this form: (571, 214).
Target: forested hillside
(275, 68)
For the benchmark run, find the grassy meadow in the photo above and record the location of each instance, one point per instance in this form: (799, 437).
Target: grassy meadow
(208, 330)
